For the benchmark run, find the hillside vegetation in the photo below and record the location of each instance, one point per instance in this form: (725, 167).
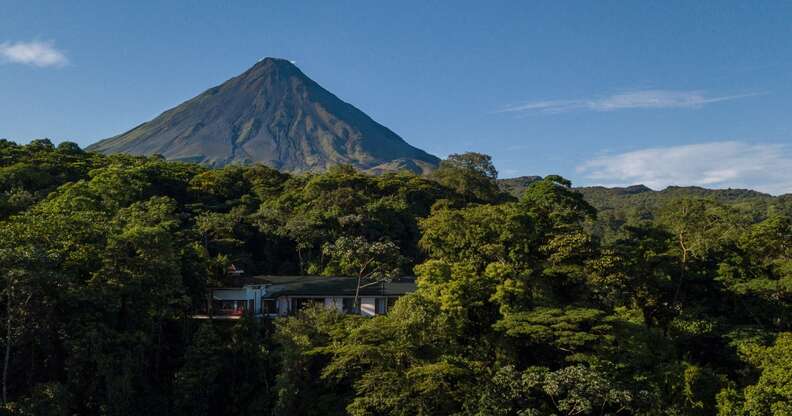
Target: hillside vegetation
(669, 303)
(619, 206)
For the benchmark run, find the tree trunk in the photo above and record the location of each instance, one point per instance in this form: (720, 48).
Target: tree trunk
(683, 271)
(357, 294)
(300, 260)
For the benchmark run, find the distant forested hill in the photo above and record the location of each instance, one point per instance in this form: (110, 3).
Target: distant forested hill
(620, 205)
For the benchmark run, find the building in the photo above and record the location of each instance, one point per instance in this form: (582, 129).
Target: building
(271, 296)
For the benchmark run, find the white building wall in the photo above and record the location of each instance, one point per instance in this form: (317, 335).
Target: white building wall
(254, 293)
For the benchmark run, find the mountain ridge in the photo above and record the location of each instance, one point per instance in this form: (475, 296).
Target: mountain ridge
(517, 185)
(272, 114)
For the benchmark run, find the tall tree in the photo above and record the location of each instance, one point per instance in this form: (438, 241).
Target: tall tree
(23, 271)
(370, 262)
(471, 174)
(700, 227)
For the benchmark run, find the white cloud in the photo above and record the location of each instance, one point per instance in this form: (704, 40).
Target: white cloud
(731, 164)
(625, 100)
(40, 54)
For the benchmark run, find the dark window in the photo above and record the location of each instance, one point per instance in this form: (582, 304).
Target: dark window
(300, 303)
(391, 302)
(349, 305)
(269, 306)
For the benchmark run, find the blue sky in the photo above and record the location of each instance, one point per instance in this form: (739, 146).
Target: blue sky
(613, 93)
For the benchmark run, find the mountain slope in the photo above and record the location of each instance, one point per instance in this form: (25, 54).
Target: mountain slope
(272, 114)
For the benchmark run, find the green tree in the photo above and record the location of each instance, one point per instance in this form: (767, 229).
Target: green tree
(370, 262)
(758, 275)
(470, 174)
(197, 382)
(23, 270)
(700, 227)
(637, 271)
(772, 394)
(301, 359)
(481, 235)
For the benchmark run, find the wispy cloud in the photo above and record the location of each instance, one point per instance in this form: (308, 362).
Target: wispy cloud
(36, 53)
(730, 164)
(625, 100)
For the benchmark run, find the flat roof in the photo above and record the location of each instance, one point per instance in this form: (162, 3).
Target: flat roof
(333, 286)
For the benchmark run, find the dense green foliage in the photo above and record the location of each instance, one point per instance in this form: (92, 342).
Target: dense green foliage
(619, 206)
(537, 305)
